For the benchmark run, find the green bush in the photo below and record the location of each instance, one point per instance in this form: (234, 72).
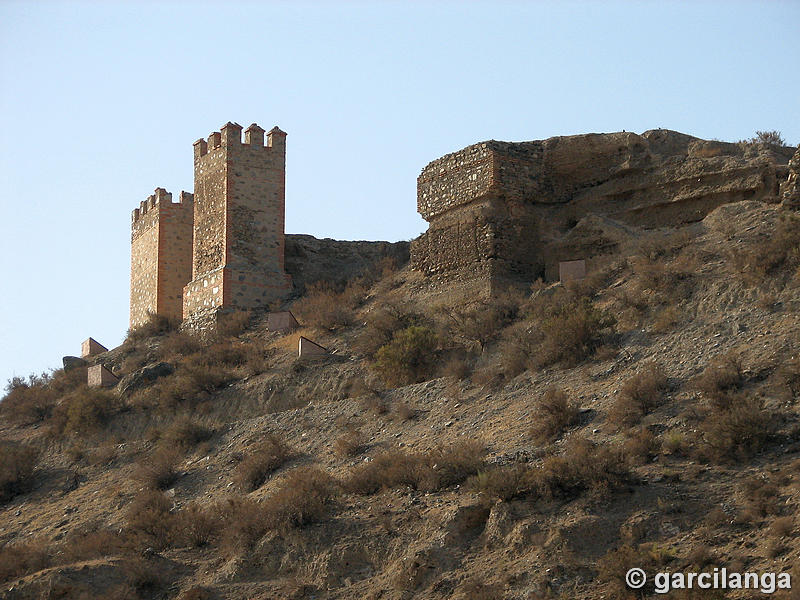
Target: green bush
(409, 358)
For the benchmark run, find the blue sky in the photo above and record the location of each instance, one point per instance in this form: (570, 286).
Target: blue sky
(101, 102)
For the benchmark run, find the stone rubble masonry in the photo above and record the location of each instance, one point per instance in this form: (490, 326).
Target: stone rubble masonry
(498, 211)
(239, 212)
(161, 256)
(91, 347)
(99, 376)
(305, 347)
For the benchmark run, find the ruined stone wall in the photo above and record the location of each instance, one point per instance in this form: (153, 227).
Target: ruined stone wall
(161, 251)
(497, 210)
(238, 221)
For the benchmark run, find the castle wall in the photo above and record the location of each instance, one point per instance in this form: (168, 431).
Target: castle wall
(238, 254)
(161, 247)
(498, 211)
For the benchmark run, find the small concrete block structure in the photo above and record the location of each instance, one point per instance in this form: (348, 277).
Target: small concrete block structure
(91, 347)
(99, 376)
(306, 347)
(282, 321)
(571, 270)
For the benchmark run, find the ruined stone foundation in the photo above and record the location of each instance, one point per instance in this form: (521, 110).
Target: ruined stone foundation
(501, 213)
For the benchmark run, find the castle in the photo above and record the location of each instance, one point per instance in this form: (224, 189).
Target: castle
(221, 247)
(499, 214)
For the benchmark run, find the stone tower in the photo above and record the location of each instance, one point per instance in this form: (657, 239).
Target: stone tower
(161, 255)
(238, 249)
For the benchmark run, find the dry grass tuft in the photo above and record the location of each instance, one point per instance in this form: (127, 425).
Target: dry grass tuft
(17, 466)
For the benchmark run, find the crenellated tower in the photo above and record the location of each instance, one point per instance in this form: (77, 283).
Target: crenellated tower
(239, 213)
(161, 255)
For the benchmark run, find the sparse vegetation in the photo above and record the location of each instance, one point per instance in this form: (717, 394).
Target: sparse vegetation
(260, 462)
(409, 358)
(553, 414)
(17, 465)
(639, 395)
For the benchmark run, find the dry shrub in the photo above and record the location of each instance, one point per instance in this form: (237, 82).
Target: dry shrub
(720, 380)
(381, 323)
(155, 325)
(159, 470)
(409, 358)
(88, 545)
(674, 443)
(186, 433)
(304, 497)
(780, 253)
(504, 483)
(244, 524)
(83, 412)
(458, 366)
(178, 344)
(430, 471)
(474, 326)
(232, 324)
(477, 589)
(28, 402)
(762, 498)
(555, 414)
(641, 447)
(612, 567)
(265, 458)
(738, 431)
(195, 527)
(351, 443)
(659, 284)
(17, 466)
(639, 395)
(666, 319)
(149, 520)
(329, 307)
(20, 559)
(583, 467)
(572, 332)
(700, 556)
(782, 527)
(144, 575)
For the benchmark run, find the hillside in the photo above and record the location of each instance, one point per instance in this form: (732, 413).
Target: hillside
(536, 445)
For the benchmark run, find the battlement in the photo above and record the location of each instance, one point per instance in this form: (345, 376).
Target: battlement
(162, 198)
(230, 135)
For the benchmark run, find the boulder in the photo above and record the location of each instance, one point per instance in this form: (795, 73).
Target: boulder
(73, 362)
(145, 376)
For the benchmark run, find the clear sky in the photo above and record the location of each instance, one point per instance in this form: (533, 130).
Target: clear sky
(101, 102)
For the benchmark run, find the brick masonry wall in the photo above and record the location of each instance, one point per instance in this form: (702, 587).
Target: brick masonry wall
(238, 257)
(161, 245)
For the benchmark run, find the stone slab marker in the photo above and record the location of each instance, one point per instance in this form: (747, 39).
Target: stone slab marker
(282, 321)
(306, 347)
(91, 347)
(99, 376)
(571, 270)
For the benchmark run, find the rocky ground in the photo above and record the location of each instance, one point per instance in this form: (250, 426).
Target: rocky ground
(700, 470)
